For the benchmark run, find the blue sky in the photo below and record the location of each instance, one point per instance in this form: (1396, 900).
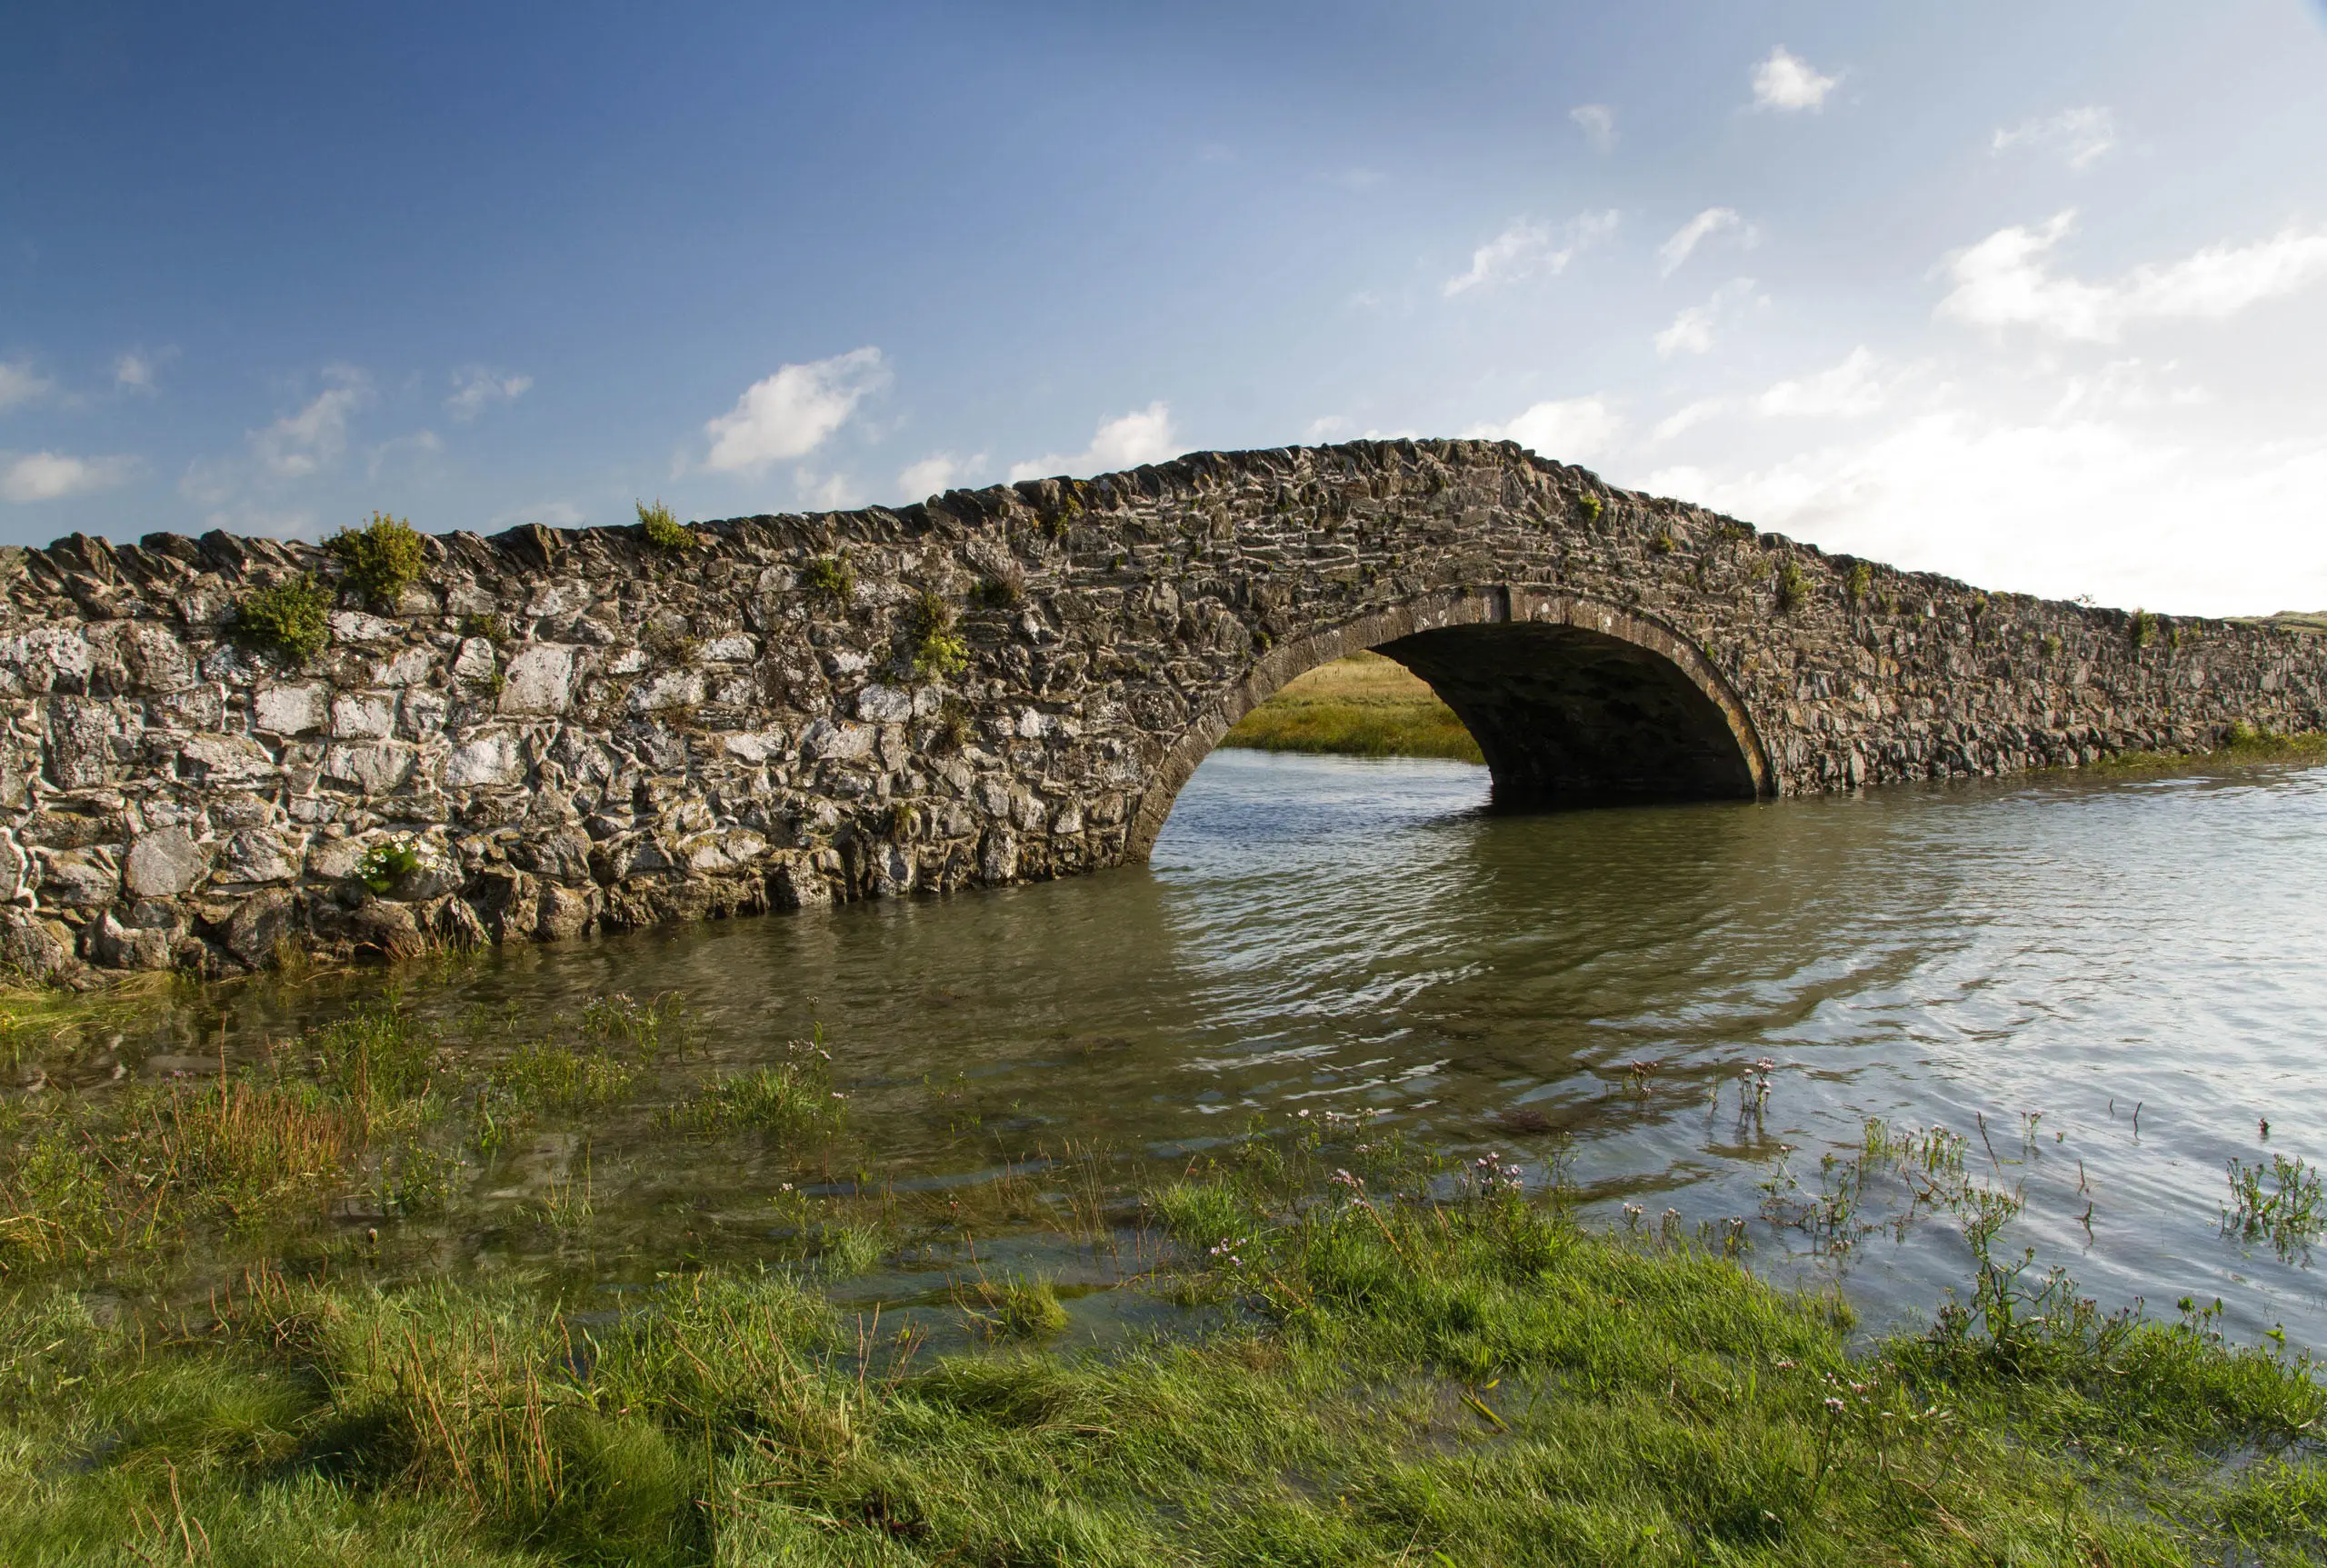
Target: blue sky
(2032, 294)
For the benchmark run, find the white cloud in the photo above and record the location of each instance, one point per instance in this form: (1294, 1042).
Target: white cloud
(1529, 247)
(936, 473)
(53, 475)
(1696, 232)
(1848, 391)
(790, 414)
(1319, 432)
(1572, 430)
(2080, 135)
(2002, 282)
(835, 492)
(548, 513)
(1786, 81)
(1598, 122)
(138, 371)
(2060, 507)
(1144, 436)
(19, 383)
(1688, 418)
(1692, 330)
(473, 388)
(304, 443)
(406, 449)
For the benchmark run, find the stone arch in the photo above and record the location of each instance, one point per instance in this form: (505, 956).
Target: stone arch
(1572, 701)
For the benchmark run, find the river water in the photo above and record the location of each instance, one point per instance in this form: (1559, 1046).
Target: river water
(1320, 934)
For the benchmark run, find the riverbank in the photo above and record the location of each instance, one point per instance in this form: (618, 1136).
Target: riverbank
(231, 1329)
(1364, 705)
(1531, 1393)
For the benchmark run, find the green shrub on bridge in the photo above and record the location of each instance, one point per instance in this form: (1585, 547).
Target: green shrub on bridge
(663, 530)
(379, 560)
(289, 618)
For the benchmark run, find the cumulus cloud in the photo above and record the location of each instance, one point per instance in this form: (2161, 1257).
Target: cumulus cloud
(2027, 503)
(1144, 435)
(1847, 391)
(792, 412)
(53, 475)
(1571, 430)
(1696, 232)
(1693, 329)
(2005, 281)
(833, 493)
(1786, 81)
(140, 371)
(301, 445)
(21, 385)
(475, 387)
(2080, 136)
(1529, 248)
(936, 473)
(1598, 122)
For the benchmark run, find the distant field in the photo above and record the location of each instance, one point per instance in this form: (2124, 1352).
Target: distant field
(1364, 705)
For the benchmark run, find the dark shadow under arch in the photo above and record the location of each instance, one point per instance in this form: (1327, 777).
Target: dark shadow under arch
(1573, 702)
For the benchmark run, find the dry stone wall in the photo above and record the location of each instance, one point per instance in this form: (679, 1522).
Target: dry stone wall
(576, 730)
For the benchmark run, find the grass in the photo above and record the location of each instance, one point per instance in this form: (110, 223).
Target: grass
(1460, 1375)
(2241, 743)
(1383, 1355)
(1364, 705)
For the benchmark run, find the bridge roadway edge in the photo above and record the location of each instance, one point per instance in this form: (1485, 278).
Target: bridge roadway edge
(575, 731)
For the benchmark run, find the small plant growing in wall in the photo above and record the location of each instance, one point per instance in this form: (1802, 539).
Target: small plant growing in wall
(289, 618)
(663, 530)
(1661, 542)
(1005, 590)
(2142, 628)
(1794, 587)
(384, 863)
(954, 729)
(936, 650)
(1861, 578)
(379, 560)
(830, 578)
(1590, 506)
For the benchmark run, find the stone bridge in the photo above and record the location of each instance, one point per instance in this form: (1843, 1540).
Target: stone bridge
(579, 730)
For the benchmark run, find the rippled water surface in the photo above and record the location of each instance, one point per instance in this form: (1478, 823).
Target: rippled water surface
(1321, 932)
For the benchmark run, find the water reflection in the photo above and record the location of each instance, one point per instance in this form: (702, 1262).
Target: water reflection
(1329, 933)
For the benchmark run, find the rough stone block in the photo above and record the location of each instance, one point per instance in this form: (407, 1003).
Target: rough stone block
(364, 715)
(223, 760)
(291, 710)
(488, 762)
(165, 864)
(373, 767)
(540, 680)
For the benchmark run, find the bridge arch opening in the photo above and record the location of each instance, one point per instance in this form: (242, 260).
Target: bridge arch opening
(1572, 703)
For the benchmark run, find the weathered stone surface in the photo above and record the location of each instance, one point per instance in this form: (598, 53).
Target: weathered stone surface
(291, 710)
(634, 744)
(259, 925)
(165, 864)
(40, 949)
(540, 680)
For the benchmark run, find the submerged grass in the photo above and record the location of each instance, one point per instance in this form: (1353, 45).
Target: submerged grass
(1459, 1373)
(1364, 705)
